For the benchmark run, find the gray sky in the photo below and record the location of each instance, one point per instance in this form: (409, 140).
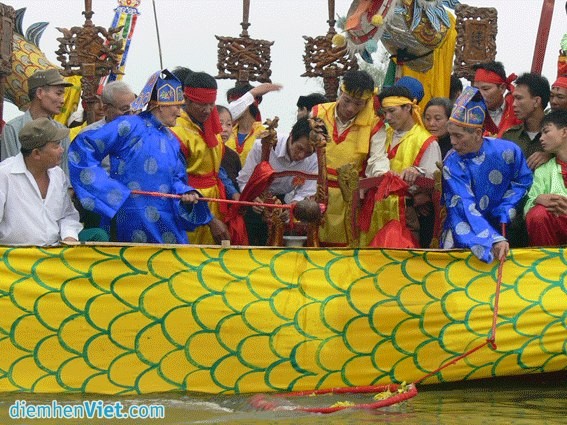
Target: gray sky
(187, 30)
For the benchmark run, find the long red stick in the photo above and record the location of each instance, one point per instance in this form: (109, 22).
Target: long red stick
(225, 201)
(542, 36)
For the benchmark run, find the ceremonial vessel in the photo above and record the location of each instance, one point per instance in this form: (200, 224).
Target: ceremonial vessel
(135, 319)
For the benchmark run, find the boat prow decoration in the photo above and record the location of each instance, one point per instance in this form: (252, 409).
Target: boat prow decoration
(138, 319)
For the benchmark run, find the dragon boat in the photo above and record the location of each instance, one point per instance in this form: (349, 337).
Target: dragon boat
(136, 319)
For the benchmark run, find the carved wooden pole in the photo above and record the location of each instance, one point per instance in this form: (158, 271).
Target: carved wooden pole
(324, 60)
(542, 35)
(82, 51)
(245, 18)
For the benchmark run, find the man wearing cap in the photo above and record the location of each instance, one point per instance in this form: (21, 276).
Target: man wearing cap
(558, 96)
(484, 181)
(490, 78)
(144, 155)
(354, 131)
(46, 90)
(35, 207)
(412, 152)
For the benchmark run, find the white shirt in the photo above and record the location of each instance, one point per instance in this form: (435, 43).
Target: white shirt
(496, 115)
(378, 162)
(280, 161)
(26, 218)
(238, 107)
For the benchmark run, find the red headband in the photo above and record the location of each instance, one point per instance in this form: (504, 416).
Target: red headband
(200, 95)
(560, 82)
(485, 76)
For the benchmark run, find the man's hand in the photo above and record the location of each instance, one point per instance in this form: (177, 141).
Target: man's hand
(409, 175)
(70, 239)
(236, 196)
(557, 205)
(257, 209)
(219, 231)
(500, 250)
(190, 197)
(538, 158)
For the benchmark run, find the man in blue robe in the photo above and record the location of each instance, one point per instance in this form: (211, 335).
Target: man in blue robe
(144, 156)
(484, 180)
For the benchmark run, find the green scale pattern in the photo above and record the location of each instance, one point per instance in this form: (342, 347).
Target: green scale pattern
(141, 319)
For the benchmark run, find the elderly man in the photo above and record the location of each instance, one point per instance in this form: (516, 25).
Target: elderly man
(35, 208)
(46, 90)
(353, 128)
(484, 180)
(144, 155)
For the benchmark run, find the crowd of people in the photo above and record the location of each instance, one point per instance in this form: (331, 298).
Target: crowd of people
(141, 173)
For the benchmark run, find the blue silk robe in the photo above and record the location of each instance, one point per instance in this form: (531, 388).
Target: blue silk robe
(144, 155)
(482, 190)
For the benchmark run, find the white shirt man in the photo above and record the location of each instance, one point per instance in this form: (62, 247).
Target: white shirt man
(35, 208)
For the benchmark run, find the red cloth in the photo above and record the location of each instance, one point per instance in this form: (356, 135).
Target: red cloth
(261, 178)
(485, 76)
(394, 235)
(212, 126)
(560, 82)
(389, 185)
(544, 228)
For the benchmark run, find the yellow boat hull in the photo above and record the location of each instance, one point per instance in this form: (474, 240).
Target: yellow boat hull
(142, 319)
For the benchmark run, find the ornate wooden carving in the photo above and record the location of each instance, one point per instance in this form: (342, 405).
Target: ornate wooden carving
(7, 23)
(322, 59)
(476, 38)
(91, 52)
(243, 58)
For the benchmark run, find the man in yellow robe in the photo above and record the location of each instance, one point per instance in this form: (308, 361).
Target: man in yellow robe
(353, 127)
(198, 130)
(412, 152)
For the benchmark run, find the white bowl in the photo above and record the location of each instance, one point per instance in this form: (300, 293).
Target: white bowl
(294, 241)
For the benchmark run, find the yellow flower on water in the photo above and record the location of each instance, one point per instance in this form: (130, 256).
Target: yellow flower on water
(343, 404)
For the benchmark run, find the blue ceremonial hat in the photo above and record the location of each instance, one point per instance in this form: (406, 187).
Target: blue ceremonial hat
(469, 109)
(163, 88)
(413, 85)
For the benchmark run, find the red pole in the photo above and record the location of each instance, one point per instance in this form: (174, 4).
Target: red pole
(542, 36)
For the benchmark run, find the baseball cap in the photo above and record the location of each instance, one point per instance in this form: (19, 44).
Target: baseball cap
(46, 77)
(39, 132)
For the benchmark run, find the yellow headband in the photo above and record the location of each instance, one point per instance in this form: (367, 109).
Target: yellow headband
(365, 95)
(400, 101)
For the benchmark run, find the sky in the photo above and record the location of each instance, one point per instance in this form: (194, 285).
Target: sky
(187, 31)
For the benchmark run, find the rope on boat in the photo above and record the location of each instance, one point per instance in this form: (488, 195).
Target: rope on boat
(219, 200)
(491, 340)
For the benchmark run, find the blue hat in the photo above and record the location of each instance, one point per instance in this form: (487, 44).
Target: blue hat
(413, 85)
(469, 109)
(163, 88)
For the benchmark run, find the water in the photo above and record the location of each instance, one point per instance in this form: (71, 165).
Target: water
(539, 399)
